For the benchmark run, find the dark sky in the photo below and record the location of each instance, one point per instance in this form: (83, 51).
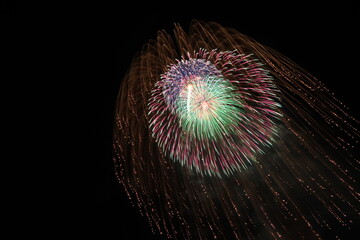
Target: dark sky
(93, 44)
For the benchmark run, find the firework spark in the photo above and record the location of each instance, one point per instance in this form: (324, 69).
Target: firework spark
(219, 137)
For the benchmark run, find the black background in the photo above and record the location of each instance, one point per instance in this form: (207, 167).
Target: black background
(86, 48)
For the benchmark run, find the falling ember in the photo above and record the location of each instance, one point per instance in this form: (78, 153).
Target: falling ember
(219, 137)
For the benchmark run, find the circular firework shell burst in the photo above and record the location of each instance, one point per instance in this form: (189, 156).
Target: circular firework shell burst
(219, 137)
(214, 111)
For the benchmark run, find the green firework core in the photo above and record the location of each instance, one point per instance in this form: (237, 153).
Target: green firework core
(208, 106)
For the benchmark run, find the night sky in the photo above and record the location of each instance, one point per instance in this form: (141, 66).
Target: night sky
(94, 44)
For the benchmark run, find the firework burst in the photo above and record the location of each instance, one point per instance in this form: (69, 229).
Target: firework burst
(214, 111)
(219, 137)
